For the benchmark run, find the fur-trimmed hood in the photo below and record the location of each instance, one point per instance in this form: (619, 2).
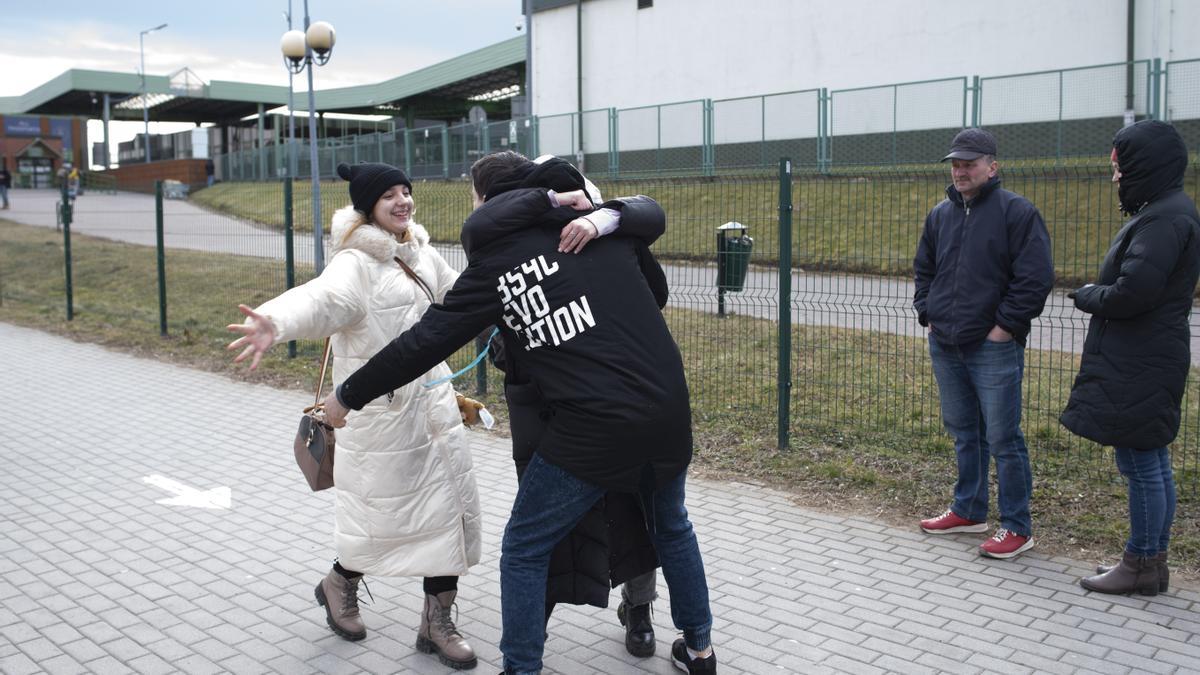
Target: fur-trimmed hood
(374, 240)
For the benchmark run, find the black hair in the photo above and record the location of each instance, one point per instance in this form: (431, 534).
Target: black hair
(489, 169)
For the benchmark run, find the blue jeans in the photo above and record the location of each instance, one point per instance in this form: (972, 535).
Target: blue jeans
(980, 389)
(549, 502)
(1151, 499)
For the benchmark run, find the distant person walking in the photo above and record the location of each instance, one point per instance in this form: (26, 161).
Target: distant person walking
(209, 170)
(1137, 354)
(5, 181)
(983, 272)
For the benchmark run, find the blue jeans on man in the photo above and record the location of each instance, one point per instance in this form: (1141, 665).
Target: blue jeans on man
(1151, 499)
(549, 502)
(980, 391)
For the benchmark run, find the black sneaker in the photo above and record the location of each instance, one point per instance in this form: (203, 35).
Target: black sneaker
(679, 656)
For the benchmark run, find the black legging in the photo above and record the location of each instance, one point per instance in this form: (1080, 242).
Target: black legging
(435, 585)
(432, 585)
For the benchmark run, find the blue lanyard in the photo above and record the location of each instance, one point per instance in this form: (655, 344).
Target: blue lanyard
(470, 365)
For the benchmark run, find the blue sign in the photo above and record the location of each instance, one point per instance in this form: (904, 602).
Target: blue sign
(62, 129)
(22, 126)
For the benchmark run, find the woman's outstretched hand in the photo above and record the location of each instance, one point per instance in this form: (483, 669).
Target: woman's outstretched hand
(257, 336)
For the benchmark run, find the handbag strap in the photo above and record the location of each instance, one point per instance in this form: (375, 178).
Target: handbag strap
(321, 380)
(413, 275)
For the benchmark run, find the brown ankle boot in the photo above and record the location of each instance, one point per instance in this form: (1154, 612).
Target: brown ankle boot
(439, 635)
(339, 596)
(1132, 574)
(1164, 572)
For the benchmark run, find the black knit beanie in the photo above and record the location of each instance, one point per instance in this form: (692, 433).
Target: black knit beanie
(368, 182)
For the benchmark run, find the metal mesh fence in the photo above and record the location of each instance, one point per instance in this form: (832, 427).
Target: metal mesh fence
(1058, 115)
(428, 152)
(895, 124)
(859, 360)
(1063, 113)
(557, 135)
(1182, 100)
(754, 131)
(662, 137)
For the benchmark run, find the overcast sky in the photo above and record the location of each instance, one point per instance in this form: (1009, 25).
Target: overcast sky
(238, 40)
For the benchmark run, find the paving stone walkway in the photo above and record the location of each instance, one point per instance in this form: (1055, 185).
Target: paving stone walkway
(98, 575)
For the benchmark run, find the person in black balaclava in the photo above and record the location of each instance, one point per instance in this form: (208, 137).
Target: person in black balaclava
(1136, 354)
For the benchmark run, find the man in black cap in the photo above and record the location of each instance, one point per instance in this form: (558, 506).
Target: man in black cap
(983, 272)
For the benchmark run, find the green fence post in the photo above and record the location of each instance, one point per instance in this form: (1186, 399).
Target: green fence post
(823, 146)
(976, 101)
(895, 113)
(762, 147)
(784, 383)
(65, 212)
(162, 258)
(1058, 141)
(289, 256)
(445, 150)
(1156, 89)
(614, 142)
(408, 154)
(709, 153)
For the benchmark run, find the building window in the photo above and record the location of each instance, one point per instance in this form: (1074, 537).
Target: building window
(643, 4)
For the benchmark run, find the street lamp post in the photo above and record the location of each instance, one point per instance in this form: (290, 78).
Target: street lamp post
(292, 167)
(300, 51)
(145, 105)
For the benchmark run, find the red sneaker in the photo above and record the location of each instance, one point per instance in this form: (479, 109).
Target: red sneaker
(950, 522)
(1005, 544)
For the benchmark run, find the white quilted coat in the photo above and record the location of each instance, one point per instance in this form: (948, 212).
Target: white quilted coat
(406, 501)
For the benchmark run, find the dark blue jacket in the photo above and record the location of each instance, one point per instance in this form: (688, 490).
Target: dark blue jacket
(980, 264)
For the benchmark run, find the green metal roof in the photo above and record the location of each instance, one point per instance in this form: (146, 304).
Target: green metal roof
(79, 92)
(473, 73)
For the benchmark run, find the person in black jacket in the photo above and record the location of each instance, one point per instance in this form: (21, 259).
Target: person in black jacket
(592, 338)
(5, 181)
(983, 272)
(609, 546)
(1137, 353)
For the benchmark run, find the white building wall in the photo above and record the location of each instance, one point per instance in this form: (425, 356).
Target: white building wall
(681, 50)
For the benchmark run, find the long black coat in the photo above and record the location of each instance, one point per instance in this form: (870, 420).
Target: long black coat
(1136, 355)
(610, 544)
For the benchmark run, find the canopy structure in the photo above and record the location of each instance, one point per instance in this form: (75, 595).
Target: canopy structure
(445, 90)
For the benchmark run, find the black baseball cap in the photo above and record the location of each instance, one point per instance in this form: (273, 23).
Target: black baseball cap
(971, 144)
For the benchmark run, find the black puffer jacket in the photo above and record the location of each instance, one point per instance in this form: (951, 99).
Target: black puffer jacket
(591, 334)
(1136, 355)
(980, 264)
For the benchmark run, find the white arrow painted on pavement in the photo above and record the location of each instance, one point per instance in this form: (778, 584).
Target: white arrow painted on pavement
(216, 498)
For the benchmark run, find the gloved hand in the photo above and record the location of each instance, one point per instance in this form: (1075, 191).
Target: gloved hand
(469, 409)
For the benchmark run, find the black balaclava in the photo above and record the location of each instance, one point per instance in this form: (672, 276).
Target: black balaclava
(1152, 158)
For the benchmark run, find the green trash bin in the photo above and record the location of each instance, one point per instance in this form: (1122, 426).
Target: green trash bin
(733, 257)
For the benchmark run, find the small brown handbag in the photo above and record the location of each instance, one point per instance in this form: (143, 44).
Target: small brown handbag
(314, 442)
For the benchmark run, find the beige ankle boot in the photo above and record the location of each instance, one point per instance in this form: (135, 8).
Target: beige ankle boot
(439, 635)
(339, 596)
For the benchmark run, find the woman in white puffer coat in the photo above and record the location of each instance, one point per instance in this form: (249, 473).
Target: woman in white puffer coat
(406, 501)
